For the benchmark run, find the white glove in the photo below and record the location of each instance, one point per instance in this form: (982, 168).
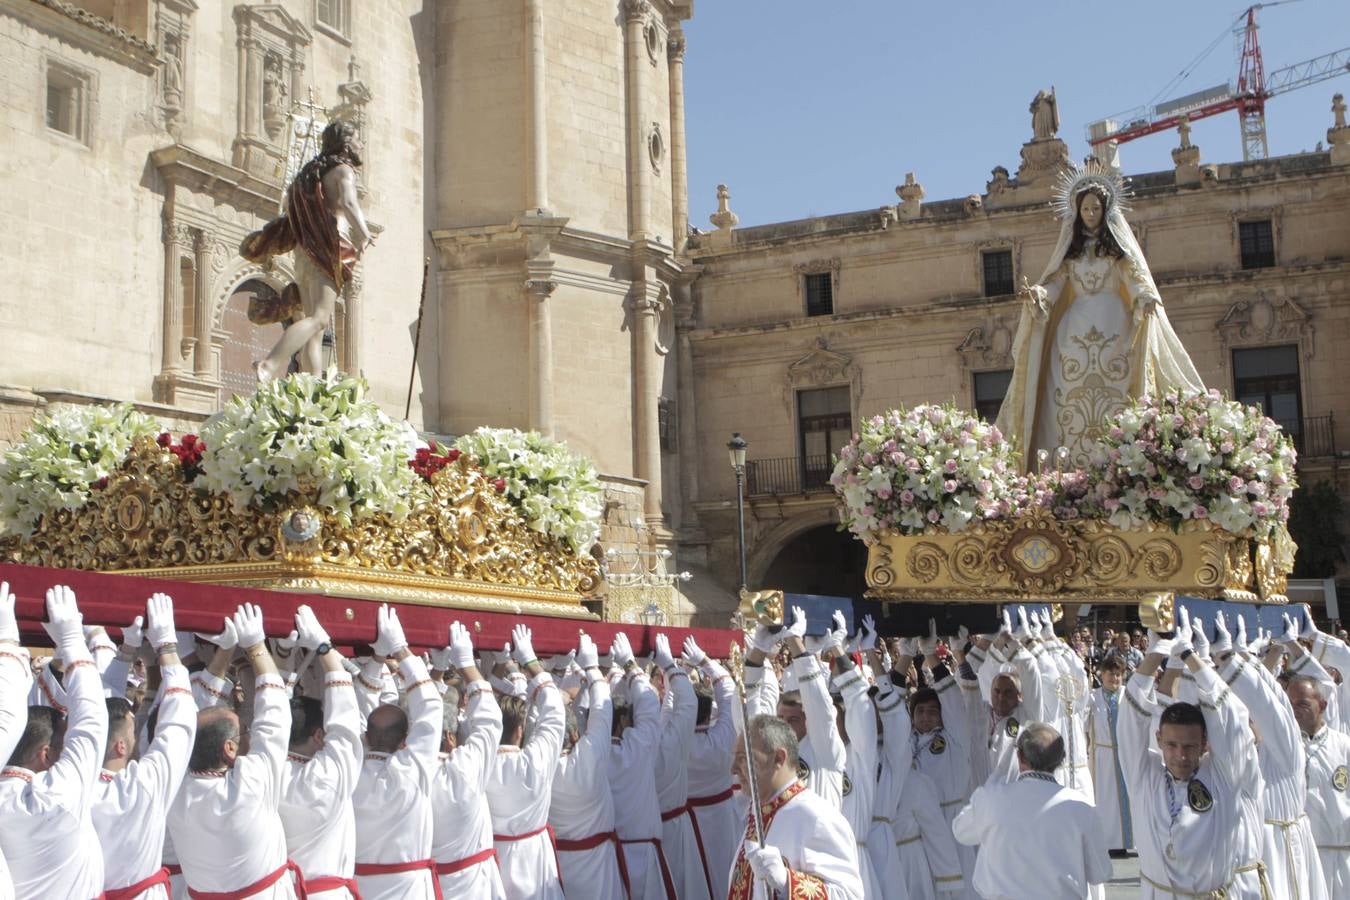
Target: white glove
(1199, 639)
(838, 635)
(693, 653)
(389, 638)
(440, 659)
(248, 625)
(1023, 632)
(64, 622)
(1159, 645)
(768, 866)
(1290, 635)
(160, 631)
(9, 625)
(226, 640)
(867, 639)
(133, 635)
(308, 631)
(664, 659)
(621, 651)
(798, 626)
(1309, 631)
(928, 645)
(1223, 641)
(461, 647)
(522, 637)
(1005, 626)
(764, 640)
(963, 634)
(909, 646)
(1181, 642)
(1047, 627)
(1240, 641)
(589, 658)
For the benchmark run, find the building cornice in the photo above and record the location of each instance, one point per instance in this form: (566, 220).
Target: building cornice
(85, 30)
(182, 166)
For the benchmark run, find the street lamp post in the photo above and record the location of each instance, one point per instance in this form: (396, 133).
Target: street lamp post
(736, 451)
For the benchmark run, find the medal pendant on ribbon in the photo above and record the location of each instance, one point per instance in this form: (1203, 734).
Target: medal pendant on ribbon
(803, 771)
(1171, 851)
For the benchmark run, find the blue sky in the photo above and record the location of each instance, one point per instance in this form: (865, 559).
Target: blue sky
(812, 107)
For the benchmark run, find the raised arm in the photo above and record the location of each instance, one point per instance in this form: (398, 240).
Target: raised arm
(270, 732)
(164, 763)
(339, 760)
(70, 781)
(679, 716)
(1137, 756)
(16, 677)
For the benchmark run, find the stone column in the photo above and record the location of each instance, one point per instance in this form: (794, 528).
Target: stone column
(686, 411)
(646, 309)
(679, 178)
(201, 306)
(351, 321)
(537, 292)
(636, 15)
(536, 88)
(252, 98)
(241, 76)
(175, 240)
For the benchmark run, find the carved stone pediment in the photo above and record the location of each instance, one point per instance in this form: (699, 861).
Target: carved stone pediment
(821, 366)
(272, 18)
(1265, 320)
(987, 346)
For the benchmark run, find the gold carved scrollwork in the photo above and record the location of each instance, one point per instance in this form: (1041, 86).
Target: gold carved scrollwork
(464, 533)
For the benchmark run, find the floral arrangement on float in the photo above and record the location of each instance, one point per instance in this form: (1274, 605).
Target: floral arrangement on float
(307, 474)
(1190, 492)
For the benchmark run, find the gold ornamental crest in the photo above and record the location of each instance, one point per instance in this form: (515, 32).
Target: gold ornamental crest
(1341, 779)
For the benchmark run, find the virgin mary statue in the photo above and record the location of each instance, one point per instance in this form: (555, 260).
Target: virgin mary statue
(1093, 334)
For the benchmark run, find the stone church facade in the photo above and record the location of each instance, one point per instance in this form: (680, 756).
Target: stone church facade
(533, 154)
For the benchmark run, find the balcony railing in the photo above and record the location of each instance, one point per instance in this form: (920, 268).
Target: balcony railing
(1313, 436)
(788, 475)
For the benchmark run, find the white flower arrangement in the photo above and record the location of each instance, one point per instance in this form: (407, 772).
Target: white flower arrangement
(926, 468)
(557, 492)
(61, 459)
(319, 435)
(1196, 457)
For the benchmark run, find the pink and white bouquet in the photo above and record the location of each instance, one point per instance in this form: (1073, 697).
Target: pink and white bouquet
(925, 468)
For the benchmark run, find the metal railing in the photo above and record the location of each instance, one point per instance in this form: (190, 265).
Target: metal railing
(1314, 436)
(788, 475)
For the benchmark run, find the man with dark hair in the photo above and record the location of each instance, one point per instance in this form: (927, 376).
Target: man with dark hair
(632, 774)
(1188, 797)
(581, 810)
(808, 848)
(47, 790)
(1037, 839)
(461, 844)
(521, 781)
(16, 677)
(392, 802)
(322, 765)
(133, 796)
(227, 832)
(1110, 796)
(712, 802)
(1328, 794)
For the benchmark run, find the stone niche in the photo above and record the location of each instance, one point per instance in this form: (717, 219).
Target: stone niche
(272, 46)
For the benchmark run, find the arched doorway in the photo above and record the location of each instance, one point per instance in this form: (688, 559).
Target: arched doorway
(244, 342)
(820, 560)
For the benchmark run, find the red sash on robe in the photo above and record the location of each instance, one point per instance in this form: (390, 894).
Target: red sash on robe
(368, 869)
(552, 841)
(661, 860)
(332, 883)
(459, 865)
(132, 891)
(698, 836)
(563, 845)
(261, 884)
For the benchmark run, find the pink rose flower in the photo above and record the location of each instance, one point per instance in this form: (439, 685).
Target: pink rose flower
(1196, 482)
(906, 497)
(1200, 512)
(934, 515)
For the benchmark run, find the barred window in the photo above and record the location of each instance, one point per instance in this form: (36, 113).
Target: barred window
(998, 272)
(1256, 241)
(820, 294)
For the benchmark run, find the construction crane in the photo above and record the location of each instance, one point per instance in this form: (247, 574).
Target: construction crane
(1248, 96)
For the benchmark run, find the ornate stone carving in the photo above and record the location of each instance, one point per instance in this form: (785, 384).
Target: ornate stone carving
(1044, 116)
(1262, 320)
(724, 219)
(466, 541)
(911, 196)
(651, 40)
(636, 10)
(1037, 555)
(999, 183)
(987, 346)
(821, 367)
(1338, 135)
(272, 47)
(675, 44)
(656, 147)
(817, 267)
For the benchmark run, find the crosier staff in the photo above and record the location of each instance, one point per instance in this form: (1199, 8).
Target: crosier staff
(737, 667)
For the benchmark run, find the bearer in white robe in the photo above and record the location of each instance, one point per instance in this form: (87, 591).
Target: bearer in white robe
(712, 804)
(47, 789)
(321, 771)
(392, 801)
(1068, 696)
(521, 782)
(1112, 802)
(684, 851)
(582, 809)
(1328, 804)
(1289, 851)
(808, 848)
(466, 860)
(1013, 681)
(896, 766)
(16, 678)
(227, 832)
(133, 795)
(1187, 805)
(632, 776)
(1037, 838)
(857, 725)
(809, 711)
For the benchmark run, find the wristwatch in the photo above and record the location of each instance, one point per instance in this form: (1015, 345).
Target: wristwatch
(322, 649)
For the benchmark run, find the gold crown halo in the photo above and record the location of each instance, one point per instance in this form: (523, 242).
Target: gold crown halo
(1076, 178)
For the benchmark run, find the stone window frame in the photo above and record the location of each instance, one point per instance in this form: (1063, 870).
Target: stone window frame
(84, 82)
(1274, 214)
(342, 30)
(818, 267)
(1012, 246)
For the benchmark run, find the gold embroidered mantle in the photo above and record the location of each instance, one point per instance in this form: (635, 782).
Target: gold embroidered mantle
(1039, 557)
(464, 546)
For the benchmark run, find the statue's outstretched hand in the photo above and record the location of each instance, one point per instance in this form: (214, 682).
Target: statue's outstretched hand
(1035, 297)
(1144, 307)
